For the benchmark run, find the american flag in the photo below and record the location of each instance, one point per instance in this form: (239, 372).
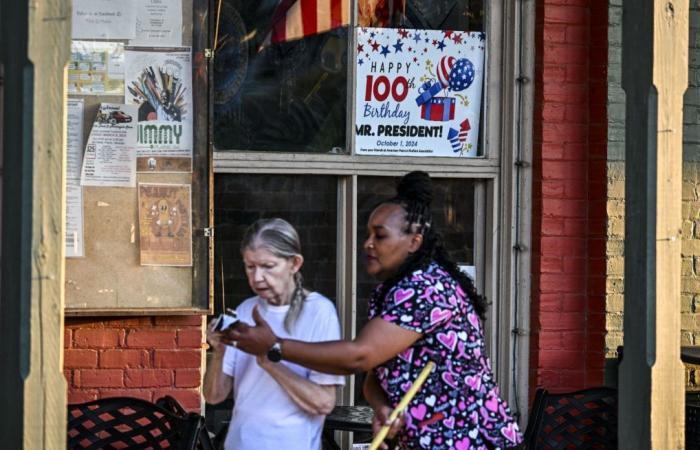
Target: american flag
(295, 19)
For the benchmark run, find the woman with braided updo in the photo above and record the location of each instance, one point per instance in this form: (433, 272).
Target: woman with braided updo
(424, 309)
(277, 405)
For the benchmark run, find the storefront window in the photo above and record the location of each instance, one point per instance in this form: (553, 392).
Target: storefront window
(275, 91)
(308, 203)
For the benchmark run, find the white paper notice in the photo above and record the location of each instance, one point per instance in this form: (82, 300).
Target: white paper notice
(74, 148)
(74, 221)
(104, 19)
(110, 153)
(74, 194)
(158, 23)
(96, 68)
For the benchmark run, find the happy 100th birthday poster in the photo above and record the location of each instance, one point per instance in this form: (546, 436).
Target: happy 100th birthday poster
(418, 92)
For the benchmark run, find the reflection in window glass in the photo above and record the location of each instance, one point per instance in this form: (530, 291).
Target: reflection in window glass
(275, 93)
(308, 203)
(453, 216)
(461, 15)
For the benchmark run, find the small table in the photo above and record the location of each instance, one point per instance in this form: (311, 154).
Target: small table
(357, 419)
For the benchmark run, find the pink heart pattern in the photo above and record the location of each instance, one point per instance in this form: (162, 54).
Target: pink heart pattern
(458, 407)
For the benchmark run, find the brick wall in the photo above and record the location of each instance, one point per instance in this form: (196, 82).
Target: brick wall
(690, 252)
(569, 155)
(145, 357)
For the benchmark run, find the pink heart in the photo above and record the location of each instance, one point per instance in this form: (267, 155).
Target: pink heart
(449, 379)
(450, 422)
(438, 315)
(463, 444)
(448, 339)
(406, 386)
(510, 432)
(474, 381)
(492, 404)
(407, 355)
(473, 319)
(402, 295)
(419, 411)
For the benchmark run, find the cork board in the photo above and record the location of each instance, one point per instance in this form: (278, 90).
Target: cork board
(110, 279)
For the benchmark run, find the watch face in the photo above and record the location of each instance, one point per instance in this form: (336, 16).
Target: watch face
(275, 353)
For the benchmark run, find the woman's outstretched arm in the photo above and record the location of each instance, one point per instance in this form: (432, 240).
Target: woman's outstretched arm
(377, 342)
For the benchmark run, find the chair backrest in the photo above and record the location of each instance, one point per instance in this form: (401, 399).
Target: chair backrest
(585, 419)
(125, 422)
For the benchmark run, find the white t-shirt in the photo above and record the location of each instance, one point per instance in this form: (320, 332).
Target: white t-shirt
(264, 416)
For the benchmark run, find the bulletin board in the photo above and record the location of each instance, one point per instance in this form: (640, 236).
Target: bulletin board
(139, 224)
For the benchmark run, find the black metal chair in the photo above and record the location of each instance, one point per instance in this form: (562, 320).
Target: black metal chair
(585, 419)
(125, 422)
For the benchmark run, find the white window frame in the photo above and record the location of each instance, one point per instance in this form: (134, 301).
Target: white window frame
(505, 190)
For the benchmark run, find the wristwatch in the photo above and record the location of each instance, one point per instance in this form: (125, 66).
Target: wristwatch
(275, 352)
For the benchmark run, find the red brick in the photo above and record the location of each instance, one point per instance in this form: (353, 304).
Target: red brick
(75, 358)
(562, 359)
(568, 171)
(188, 378)
(179, 320)
(563, 321)
(67, 338)
(190, 338)
(81, 396)
(123, 358)
(190, 399)
(564, 208)
(68, 375)
(549, 341)
(100, 378)
(151, 339)
(566, 14)
(148, 377)
(96, 338)
(550, 303)
(552, 226)
(143, 394)
(177, 358)
(567, 247)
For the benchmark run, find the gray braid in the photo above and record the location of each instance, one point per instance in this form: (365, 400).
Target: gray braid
(296, 304)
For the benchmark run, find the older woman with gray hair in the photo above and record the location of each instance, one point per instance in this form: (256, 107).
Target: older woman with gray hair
(277, 404)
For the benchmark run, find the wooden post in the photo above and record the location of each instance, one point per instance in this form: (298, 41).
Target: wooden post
(654, 76)
(35, 47)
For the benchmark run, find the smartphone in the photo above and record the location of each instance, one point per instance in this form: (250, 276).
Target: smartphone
(225, 320)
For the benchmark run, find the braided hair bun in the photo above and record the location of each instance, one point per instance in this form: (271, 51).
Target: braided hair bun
(415, 186)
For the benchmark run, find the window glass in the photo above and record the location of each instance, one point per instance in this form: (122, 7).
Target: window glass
(275, 91)
(453, 216)
(308, 203)
(461, 15)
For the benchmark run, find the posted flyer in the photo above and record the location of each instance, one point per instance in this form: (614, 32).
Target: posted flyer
(103, 19)
(418, 92)
(165, 227)
(74, 247)
(110, 153)
(96, 68)
(159, 85)
(158, 23)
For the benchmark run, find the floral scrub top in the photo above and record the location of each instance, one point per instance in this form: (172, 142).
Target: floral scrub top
(459, 406)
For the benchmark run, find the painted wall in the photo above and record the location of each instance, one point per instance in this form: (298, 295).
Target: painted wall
(569, 181)
(144, 357)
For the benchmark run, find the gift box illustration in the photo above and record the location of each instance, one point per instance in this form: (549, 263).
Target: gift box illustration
(439, 109)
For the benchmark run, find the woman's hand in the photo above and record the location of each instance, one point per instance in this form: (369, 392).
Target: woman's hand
(255, 340)
(381, 418)
(214, 338)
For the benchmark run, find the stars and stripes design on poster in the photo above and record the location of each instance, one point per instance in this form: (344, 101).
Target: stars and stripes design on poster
(418, 92)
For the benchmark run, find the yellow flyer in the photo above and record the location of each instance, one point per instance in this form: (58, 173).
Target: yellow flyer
(165, 224)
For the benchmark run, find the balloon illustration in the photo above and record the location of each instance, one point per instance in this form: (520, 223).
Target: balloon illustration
(461, 75)
(444, 69)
